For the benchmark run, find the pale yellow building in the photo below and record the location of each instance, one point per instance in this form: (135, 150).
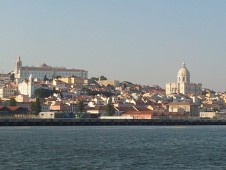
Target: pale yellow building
(22, 98)
(207, 114)
(7, 91)
(78, 81)
(184, 107)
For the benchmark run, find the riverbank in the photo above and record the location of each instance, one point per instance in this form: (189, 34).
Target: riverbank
(108, 122)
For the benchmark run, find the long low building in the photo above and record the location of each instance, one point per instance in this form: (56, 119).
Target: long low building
(54, 115)
(44, 71)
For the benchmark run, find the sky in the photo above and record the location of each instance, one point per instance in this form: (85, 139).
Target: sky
(141, 41)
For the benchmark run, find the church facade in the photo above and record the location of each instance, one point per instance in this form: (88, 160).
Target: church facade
(23, 72)
(183, 84)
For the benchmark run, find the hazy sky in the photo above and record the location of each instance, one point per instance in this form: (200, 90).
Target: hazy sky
(142, 41)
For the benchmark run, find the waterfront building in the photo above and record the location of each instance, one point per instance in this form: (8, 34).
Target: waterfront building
(183, 84)
(44, 71)
(12, 111)
(207, 114)
(138, 114)
(184, 107)
(53, 115)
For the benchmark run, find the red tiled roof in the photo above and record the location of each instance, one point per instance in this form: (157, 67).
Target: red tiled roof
(2, 107)
(125, 109)
(137, 113)
(13, 108)
(142, 108)
(180, 103)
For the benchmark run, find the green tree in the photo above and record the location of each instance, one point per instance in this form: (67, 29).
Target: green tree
(45, 78)
(38, 105)
(58, 77)
(110, 111)
(80, 106)
(94, 79)
(12, 102)
(42, 93)
(103, 78)
(12, 76)
(35, 106)
(32, 107)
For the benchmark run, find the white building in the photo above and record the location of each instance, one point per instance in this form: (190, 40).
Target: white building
(7, 91)
(207, 114)
(28, 87)
(23, 72)
(183, 84)
(184, 107)
(4, 77)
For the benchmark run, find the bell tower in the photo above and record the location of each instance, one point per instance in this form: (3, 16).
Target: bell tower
(17, 69)
(18, 65)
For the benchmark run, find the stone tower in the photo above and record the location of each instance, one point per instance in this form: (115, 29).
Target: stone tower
(18, 66)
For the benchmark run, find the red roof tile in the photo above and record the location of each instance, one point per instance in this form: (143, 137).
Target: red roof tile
(13, 107)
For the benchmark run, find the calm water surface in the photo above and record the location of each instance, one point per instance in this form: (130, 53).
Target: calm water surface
(117, 147)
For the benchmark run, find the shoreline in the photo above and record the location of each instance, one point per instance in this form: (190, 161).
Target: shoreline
(109, 122)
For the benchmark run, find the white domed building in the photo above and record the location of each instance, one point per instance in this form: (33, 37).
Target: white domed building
(183, 84)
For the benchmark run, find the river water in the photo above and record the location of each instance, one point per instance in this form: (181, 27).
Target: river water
(113, 147)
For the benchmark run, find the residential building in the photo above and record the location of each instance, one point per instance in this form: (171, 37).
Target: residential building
(7, 91)
(5, 77)
(78, 81)
(184, 107)
(22, 98)
(58, 107)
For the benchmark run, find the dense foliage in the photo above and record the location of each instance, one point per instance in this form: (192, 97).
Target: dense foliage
(12, 102)
(80, 106)
(110, 111)
(98, 78)
(43, 93)
(35, 106)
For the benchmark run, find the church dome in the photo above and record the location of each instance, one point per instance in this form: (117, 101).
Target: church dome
(183, 74)
(183, 71)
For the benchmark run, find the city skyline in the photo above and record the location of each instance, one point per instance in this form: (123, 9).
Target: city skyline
(143, 42)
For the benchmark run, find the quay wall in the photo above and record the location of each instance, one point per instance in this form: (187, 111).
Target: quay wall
(109, 122)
